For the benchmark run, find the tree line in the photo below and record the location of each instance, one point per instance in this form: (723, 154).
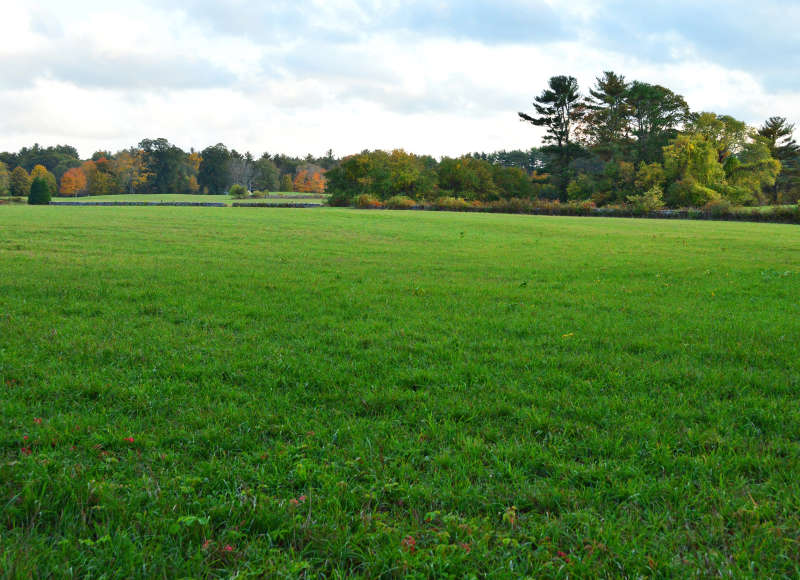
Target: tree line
(158, 166)
(624, 140)
(622, 143)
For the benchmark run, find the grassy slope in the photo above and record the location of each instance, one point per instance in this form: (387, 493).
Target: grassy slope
(521, 395)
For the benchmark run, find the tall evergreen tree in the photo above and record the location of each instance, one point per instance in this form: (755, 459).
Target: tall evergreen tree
(778, 134)
(560, 109)
(606, 123)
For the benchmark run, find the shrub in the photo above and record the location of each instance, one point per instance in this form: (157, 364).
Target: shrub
(367, 201)
(688, 193)
(259, 194)
(584, 207)
(400, 202)
(651, 200)
(785, 213)
(551, 206)
(451, 203)
(238, 191)
(339, 199)
(40, 192)
(513, 205)
(717, 207)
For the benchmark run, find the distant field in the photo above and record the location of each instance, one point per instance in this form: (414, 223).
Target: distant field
(337, 393)
(313, 198)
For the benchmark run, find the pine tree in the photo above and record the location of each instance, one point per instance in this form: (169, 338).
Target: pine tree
(778, 134)
(40, 192)
(560, 108)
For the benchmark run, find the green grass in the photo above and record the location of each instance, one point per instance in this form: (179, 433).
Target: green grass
(520, 395)
(152, 197)
(190, 198)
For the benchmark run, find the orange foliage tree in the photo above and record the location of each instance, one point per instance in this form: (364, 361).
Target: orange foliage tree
(318, 183)
(309, 183)
(301, 182)
(73, 182)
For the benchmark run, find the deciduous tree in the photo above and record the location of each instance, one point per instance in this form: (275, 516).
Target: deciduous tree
(41, 172)
(165, 163)
(73, 182)
(214, 173)
(657, 115)
(20, 182)
(4, 179)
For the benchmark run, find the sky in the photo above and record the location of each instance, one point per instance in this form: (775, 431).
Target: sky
(441, 77)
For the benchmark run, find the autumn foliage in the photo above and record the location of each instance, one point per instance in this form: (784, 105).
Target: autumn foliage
(309, 182)
(73, 182)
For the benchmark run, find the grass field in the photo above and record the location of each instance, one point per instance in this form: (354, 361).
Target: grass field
(196, 392)
(190, 198)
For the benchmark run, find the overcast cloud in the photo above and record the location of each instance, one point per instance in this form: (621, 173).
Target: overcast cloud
(438, 77)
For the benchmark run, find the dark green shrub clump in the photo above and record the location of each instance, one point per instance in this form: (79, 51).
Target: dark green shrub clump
(40, 192)
(339, 199)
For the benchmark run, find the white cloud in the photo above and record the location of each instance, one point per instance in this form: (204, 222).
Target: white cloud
(303, 77)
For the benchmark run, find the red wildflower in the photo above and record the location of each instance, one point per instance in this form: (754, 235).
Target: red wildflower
(293, 502)
(37, 420)
(26, 451)
(227, 548)
(465, 547)
(302, 498)
(129, 439)
(206, 544)
(24, 437)
(409, 543)
(563, 556)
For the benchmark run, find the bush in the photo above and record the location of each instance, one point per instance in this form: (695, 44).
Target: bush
(513, 205)
(584, 207)
(259, 194)
(785, 213)
(651, 200)
(717, 207)
(451, 203)
(339, 199)
(367, 201)
(400, 202)
(237, 191)
(40, 192)
(688, 193)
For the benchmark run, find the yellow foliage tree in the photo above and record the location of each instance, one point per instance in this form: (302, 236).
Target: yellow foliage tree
(40, 171)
